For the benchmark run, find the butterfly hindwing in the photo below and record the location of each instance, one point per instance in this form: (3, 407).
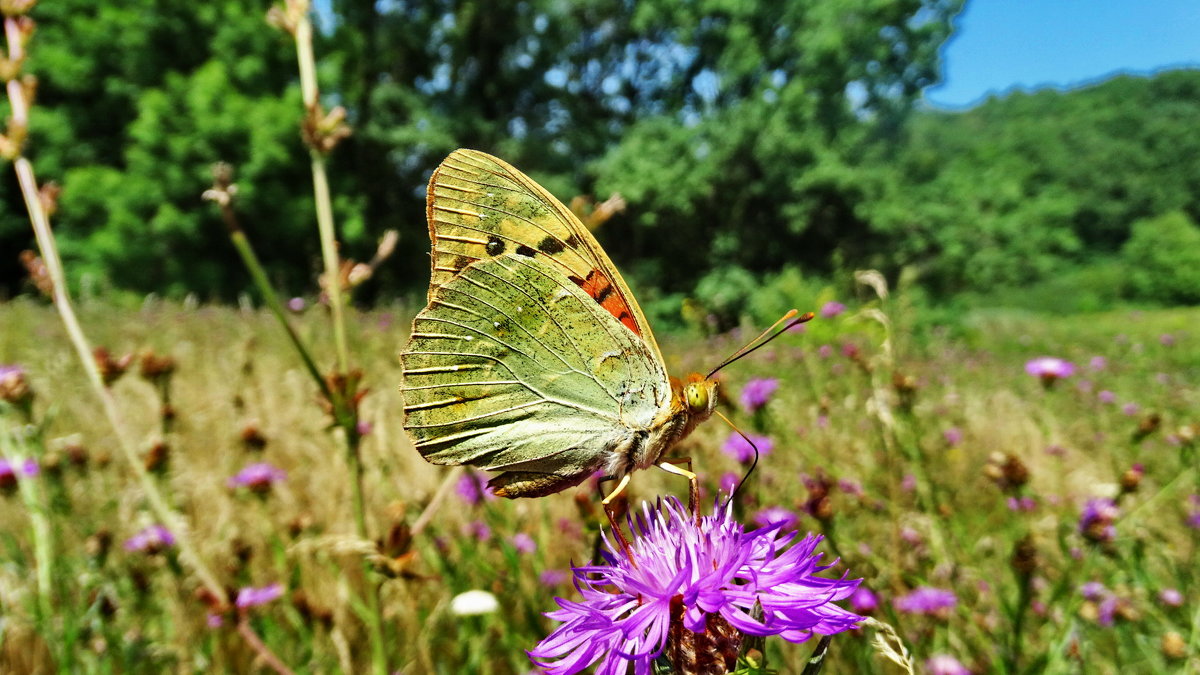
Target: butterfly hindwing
(480, 207)
(512, 366)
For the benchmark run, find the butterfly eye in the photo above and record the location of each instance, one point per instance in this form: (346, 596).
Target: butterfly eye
(697, 397)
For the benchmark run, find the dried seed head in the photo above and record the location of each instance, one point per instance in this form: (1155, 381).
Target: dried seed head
(158, 457)
(1024, 559)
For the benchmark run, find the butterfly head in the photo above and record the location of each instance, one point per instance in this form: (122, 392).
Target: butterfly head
(698, 396)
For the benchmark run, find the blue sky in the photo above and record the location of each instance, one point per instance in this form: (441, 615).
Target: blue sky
(1001, 44)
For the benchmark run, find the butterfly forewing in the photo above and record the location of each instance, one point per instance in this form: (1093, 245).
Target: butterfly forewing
(513, 366)
(479, 207)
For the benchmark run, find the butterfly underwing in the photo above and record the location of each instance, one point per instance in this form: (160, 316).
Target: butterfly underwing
(532, 357)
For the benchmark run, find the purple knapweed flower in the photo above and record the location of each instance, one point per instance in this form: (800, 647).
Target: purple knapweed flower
(908, 483)
(757, 392)
(252, 597)
(151, 540)
(473, 489)
(257, 477)
(1166, 339)
(523, 542)
(825, 351)
(702, 577)
(478, 529)
(297, 304)
(944, 664)
(1096, 521)
(1170, 597)
(1050, 369)
(863, 601)
(553, 578)
(11, 470)
(926, 600)
(832, 309)
(1098, 363)
(728, 481)
(1106, 396)
(737, 447)
(1093, 590)
(953, 436)
(363, 428)
(777, 515)
(1129, 409)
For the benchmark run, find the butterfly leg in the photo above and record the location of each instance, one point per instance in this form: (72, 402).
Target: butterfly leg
(612, 517)
(693, 481)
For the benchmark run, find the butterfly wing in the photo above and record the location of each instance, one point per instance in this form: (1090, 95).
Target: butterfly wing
(480, 207)
(514, 367)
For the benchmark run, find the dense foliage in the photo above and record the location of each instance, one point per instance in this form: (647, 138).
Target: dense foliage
(746, 141)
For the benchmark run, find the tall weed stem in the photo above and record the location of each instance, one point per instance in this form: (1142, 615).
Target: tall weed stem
(16, 132)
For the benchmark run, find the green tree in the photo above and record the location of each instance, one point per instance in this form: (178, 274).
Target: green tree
(1163, 255)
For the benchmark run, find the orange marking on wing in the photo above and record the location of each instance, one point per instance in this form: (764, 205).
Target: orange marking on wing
(602, 290)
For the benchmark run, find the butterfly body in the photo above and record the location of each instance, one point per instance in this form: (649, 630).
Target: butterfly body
(532, 358)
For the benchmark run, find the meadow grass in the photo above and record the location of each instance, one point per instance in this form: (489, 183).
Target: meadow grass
(926, 456)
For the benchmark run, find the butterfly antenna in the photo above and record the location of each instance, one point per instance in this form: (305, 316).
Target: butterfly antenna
(738, 487)
(759, 341)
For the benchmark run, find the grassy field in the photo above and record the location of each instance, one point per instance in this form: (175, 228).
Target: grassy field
(927, 456)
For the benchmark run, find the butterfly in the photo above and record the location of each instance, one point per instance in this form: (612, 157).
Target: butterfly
(532, 358)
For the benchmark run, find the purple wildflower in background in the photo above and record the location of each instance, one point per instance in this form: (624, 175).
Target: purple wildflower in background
(777, 516)
(1130, 409)
(825, 351)
(737, 447)
(1170, 597)
(757, 392)
(1106, 396)
(728, 481)
(472, 488)
(257, 477)
(297, 304)
(1096, 521)
(1050, 369)
(252, 597)
(11, 470)
(908, 483)
(925, 600)
(953, 436)
(863, 601)
(363, 427)
(702, 577)
(523, 542)
(944, 664)
(478, 529)
(1166, 339)
(153, 539)
(832, 309)
(552, 578)
(1098, 363)
(1093, 590)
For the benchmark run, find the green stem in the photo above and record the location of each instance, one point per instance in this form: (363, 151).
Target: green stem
(259, 276)
(333, 283)
(62, 302)
(39, 529)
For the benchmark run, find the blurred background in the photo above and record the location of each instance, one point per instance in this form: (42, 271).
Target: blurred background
(1005, 153)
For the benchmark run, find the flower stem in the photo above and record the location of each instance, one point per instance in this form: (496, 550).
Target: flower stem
(62, 302)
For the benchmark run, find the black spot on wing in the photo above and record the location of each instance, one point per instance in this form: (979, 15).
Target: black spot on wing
(551, 245)
(495, 245)
(526, 251)
(573, 241)
(604, 293)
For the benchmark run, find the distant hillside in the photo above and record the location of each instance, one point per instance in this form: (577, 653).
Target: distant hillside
(1023, 185)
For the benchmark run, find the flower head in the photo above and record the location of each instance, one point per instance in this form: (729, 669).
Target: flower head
(257, 477)
(1050, 369)
(737, 447)
(473, 603)
(523, 543)
(832, 309)
(1096, 521)
(953, 436)
(14, 387)
(153, 539)
(703, 577)
(776, 515)
(473, 489)
(926, 600)
(757, 392)
(864, 601)
(252, 597)
(12, 469)
(944, 664)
